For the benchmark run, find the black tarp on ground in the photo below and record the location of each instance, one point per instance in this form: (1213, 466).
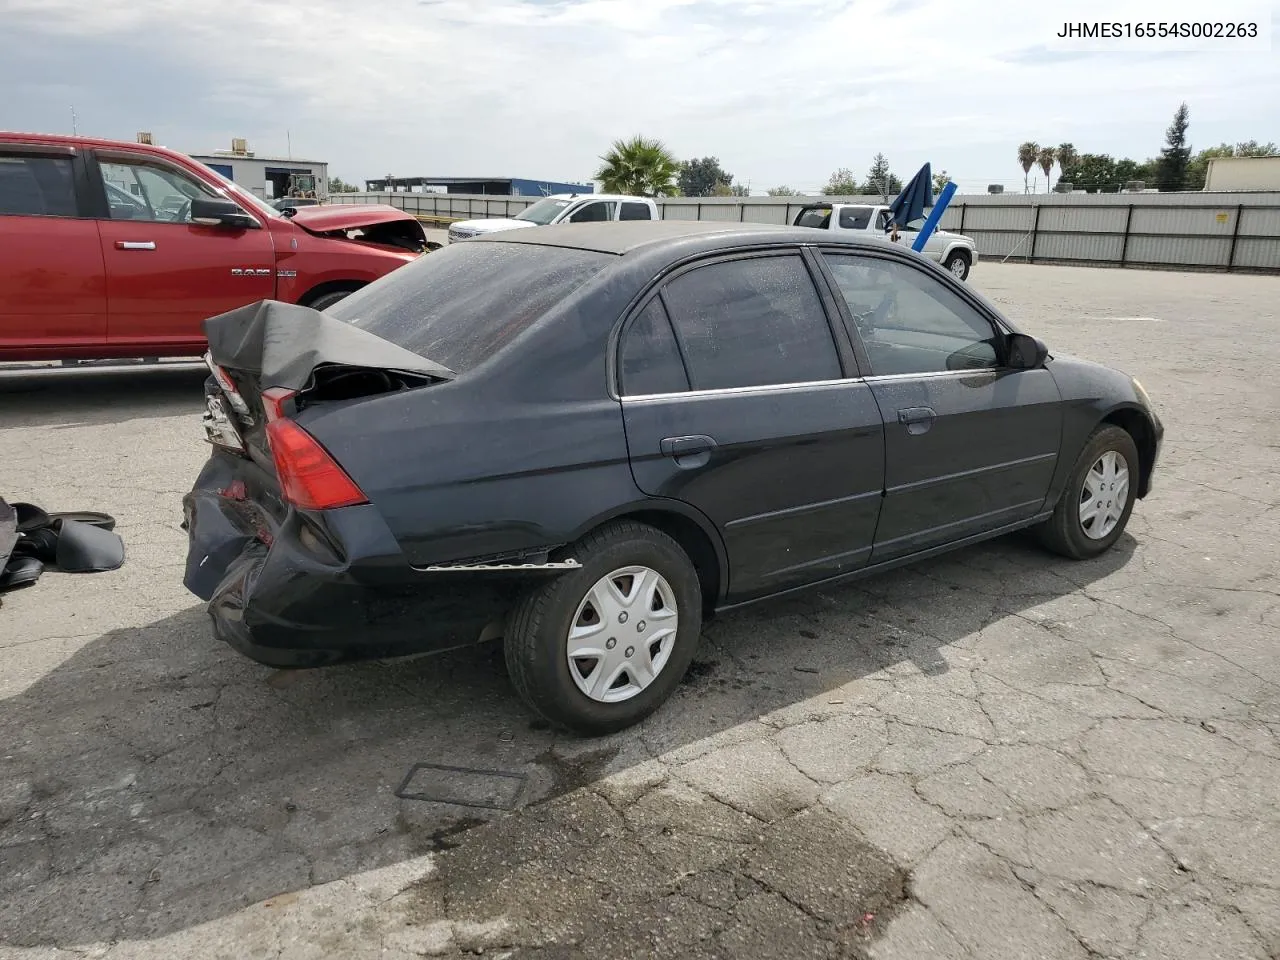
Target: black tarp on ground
(283, 344)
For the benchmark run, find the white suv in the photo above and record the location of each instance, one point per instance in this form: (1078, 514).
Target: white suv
(562, 208)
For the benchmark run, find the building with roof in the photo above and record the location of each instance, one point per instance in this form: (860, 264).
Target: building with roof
(480, 186)
(268, 177)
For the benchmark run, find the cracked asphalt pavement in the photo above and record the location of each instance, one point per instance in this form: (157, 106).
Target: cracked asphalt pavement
(997, 754)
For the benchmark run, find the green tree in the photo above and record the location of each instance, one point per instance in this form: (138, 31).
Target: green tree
(881, 180)
(782, 191)
(1127, 170)
(1027, 155)
(1067, 157)
(338, 185)
(1095, 172)
(842, 183)
(700, 177)
(1045, 157)
(940, 180)
(1171, 170)
(640, 166)
(1252, 148)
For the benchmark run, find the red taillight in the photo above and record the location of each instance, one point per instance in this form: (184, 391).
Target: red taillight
(310, 479)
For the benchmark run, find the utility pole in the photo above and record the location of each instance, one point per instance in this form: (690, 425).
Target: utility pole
(288, 139)
(74, 131)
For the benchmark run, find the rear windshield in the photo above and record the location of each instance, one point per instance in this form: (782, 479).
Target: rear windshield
(819, 217)
(462, 303)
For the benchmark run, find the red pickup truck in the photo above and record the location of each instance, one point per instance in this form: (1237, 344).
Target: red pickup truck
(114, 249)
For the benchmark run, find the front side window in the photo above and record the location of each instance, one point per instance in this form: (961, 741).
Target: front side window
(752, 322)
(909, 321)
(33, 186)
(649, 357)
(138, 191)
(598, 211)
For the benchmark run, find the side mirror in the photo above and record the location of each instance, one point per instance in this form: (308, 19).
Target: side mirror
(1026, 352)
(216, 212)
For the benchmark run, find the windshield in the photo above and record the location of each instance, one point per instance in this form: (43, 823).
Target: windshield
(544, 211)
(447, 306)
(239, 194)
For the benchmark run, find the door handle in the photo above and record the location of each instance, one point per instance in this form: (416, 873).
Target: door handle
(135, 244)
(688, 451)
(918, 420)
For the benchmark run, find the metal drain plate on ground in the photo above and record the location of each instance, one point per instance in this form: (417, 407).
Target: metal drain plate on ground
(462, 786)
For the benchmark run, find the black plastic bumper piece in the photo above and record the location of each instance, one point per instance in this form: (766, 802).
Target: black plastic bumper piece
(308, 591)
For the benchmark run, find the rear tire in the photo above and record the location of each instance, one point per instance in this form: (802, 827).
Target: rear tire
(329, 299)
(657, 637)
(957, 264)
(1094, 509)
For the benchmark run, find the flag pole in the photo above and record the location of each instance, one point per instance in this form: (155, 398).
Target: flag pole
(939, 208)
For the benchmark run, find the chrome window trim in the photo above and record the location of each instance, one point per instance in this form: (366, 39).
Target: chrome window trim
(794, 385)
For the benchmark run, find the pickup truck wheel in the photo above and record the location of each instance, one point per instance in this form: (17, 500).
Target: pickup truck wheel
(601, 647)
(957, 264)
(329, 299)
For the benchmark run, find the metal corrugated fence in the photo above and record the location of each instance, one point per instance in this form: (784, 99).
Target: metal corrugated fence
(1222, 231)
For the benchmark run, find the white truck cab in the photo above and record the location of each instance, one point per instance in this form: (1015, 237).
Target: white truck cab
(562, 208)
(955, 252)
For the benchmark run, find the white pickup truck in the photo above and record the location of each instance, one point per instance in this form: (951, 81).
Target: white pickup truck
(954, 252)
(562, 208)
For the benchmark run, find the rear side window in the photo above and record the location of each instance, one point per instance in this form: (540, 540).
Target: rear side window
(650, 359)
(461, 304)
(855, 218)
(36, 186)
(752, 322)
(819, 217)
(635, 211)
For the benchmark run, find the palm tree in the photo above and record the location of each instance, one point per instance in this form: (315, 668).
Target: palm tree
(1045, 157)
(1067, 158)
(1027, 156)
(640, 166)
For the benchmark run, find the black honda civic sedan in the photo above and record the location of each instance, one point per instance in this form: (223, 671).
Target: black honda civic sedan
(587, 439)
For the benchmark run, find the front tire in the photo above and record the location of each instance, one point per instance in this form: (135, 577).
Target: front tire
(599, 649)
(1095, 507)
(957, 264)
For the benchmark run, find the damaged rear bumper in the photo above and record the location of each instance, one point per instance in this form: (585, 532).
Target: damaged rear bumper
(294, 591)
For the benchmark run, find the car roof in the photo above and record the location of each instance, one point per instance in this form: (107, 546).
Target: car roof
(66, 140)
(623, 237)
(594, 196)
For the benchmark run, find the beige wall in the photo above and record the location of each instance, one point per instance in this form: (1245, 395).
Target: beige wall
(1243, 173)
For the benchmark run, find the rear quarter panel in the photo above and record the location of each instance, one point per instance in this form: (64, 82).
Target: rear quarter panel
(457, 474)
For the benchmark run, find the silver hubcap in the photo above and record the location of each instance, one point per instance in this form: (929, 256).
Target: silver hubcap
(623, 634)
(957, 267)
(1105, 494)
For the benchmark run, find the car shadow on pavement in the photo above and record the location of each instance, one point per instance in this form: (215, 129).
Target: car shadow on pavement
(156, 780)
(64, 397)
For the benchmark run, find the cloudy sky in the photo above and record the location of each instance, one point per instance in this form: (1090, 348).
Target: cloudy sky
(781, 92)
